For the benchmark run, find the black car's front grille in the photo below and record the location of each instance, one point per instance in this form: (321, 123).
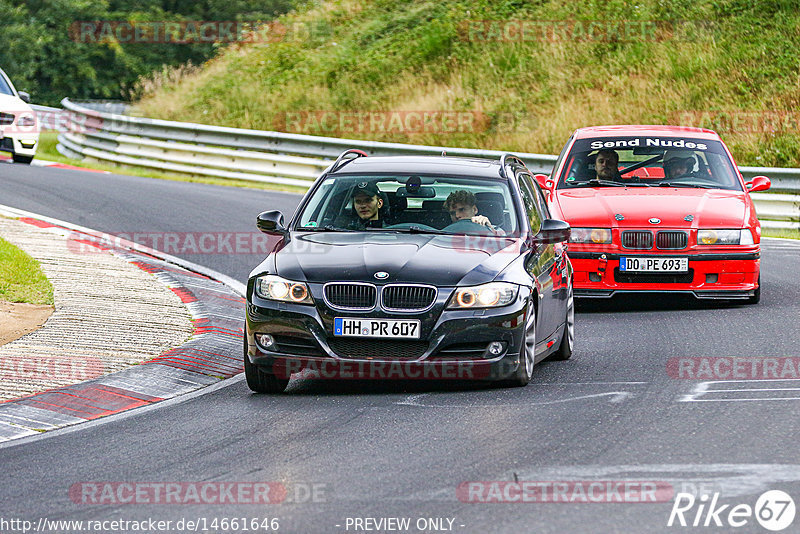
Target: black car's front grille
(671, 240)
(6, 119)
(351, 296)
(653, 278)
(408, 297)
(463, 351)
(297, 346)
(637, 239)
(377, 348)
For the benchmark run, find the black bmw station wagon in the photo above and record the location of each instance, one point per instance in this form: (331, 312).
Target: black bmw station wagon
(411, 267)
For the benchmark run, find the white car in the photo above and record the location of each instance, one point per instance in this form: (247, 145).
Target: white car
(19, 130)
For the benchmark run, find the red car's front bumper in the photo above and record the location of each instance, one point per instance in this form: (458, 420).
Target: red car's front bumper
(715, 275)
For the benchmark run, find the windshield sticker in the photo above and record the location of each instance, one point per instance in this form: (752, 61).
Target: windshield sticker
(648, 142)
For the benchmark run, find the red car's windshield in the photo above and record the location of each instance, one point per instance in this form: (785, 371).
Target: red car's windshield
(648, 161)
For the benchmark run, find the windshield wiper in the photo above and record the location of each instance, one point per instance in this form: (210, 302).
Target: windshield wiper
(420, 230)
(596, 182)
(407, 230)
(684, 184)
(326, 228)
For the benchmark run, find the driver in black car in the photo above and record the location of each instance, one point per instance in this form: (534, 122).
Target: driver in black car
(367, 204)
(461, 206)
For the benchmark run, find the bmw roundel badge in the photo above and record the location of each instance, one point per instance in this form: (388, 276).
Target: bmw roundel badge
(381, 275)
(655, 220)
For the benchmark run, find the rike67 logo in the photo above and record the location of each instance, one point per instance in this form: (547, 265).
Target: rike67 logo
(774, 510)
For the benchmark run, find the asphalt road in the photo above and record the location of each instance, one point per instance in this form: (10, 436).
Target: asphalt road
(400, 449)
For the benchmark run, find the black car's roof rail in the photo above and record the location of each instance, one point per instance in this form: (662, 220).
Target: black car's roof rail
(506, 159)
(341, 161)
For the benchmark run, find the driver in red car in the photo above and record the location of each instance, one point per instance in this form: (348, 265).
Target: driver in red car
(606, 165)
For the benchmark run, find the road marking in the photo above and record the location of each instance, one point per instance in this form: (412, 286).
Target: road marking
(414, 400)
(725, 393)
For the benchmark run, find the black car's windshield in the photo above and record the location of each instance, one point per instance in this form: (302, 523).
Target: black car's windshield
(648, 161)
(410, 204)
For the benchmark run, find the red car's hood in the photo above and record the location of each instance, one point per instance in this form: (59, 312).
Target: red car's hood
(709, 208)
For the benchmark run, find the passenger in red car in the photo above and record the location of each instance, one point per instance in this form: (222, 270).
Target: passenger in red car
(678, 163)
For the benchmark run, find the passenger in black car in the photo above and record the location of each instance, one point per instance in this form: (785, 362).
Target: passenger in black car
(461, 205)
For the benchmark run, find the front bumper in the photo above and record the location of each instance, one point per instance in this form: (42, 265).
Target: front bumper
(453, 343)
(712, 275)
(20, 144)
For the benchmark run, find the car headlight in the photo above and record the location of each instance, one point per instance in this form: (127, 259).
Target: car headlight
(725, 237)
(597, 236)
(491, 295)
(273, 287)
(26, 120)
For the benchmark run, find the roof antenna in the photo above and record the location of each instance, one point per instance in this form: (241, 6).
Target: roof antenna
(444, 153)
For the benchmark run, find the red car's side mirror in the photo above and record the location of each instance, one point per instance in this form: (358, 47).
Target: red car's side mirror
(758, 183)
(544, 182)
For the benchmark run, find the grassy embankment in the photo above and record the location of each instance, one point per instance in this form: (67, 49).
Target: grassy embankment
(21, 278)
(732, 56)
(728, 58)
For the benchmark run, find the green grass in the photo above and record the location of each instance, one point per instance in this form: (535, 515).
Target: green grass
(388, 55)
(21, 278)
(787, 234)
(47, 151)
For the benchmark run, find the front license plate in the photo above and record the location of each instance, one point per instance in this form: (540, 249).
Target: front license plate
(385, 328)
(653, 265)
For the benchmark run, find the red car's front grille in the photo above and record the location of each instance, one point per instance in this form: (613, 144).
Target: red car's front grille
(653, 278)
(671, 240)
(637, 239)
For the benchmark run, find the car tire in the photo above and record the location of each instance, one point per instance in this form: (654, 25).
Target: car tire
(522, 376)
(756, 294)
(22, 159)
(260, 381)
(564, 351)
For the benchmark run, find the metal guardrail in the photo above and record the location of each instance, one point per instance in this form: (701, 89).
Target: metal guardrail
(296, 159)
(48, 118)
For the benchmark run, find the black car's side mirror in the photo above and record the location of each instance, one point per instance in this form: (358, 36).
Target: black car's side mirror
(271, 222)
(25, 97)
(552, 231)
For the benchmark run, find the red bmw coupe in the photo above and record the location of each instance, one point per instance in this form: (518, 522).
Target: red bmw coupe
(657, 209)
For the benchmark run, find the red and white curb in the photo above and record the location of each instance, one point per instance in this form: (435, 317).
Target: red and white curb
(214, 352)
(54, 165)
